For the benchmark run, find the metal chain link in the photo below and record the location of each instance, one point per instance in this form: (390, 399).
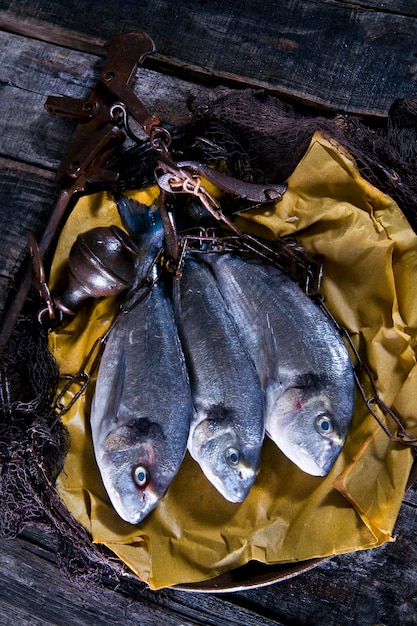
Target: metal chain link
(286, 253)
(307, 271)
(82, 378)
(372, 400)
(290, 256)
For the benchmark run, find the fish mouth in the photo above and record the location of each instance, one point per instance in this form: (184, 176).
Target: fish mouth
(234, 485)
(242, 490)
(236, 493)
(310, 462)
(132, 505)
(135, 516)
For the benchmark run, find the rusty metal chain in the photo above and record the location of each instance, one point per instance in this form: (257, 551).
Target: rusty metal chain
(286, 253)
(82, 378)
(372, 400)
(305, 269)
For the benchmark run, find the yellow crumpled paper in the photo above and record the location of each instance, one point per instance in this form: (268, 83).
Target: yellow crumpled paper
(370, 287)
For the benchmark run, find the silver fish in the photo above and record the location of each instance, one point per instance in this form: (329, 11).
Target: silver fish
(302, 362)
(227, 429)
(142, 405)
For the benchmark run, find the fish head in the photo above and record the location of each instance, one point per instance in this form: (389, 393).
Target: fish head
(309, 427)
(132, 464)
(229, 465)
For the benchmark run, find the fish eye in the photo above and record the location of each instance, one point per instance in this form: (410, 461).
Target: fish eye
(232, 456)
(141, 476)
(324, 425)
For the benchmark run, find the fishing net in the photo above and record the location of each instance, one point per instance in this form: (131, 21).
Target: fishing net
(249, 134)
(257, 137)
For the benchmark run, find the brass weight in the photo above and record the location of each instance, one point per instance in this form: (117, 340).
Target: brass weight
(101, 263)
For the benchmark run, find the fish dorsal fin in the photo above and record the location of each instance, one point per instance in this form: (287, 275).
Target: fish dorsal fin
(115, 394)
(137, 218)
(176, 298)
(269, 352)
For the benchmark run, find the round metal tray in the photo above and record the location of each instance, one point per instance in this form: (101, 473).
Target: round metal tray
(251, 576)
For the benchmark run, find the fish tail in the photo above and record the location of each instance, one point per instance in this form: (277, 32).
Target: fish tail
(138, 218)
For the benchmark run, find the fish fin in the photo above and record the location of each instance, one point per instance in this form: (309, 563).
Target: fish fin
(270, 352)
(137, 218)
(115, 396)
(176, 299)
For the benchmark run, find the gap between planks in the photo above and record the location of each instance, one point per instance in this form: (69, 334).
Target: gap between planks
(157, 62)
(26, 168)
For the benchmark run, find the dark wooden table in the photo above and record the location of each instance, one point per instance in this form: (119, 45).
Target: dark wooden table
(355, 56)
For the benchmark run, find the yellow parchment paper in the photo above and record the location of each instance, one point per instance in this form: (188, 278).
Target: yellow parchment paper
(371, 288)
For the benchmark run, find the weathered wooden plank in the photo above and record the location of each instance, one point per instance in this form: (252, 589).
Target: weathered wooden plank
(352, 56)
(405, 7)
(26, 195)
(31, 70)
(370, 587)
(27, 568)
(410, 497)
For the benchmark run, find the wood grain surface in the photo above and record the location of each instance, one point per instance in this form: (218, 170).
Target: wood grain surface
(352, 56)
(376, 587)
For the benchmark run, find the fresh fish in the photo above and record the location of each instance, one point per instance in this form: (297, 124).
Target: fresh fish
(227, 429)
(142, 405)
(302, 362)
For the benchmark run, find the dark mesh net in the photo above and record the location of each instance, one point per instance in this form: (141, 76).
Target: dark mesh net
(273, 136)
(33, 445)
(259, 138)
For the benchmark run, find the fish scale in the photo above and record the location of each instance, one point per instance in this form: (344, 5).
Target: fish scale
(303, 364)
(227, 428)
